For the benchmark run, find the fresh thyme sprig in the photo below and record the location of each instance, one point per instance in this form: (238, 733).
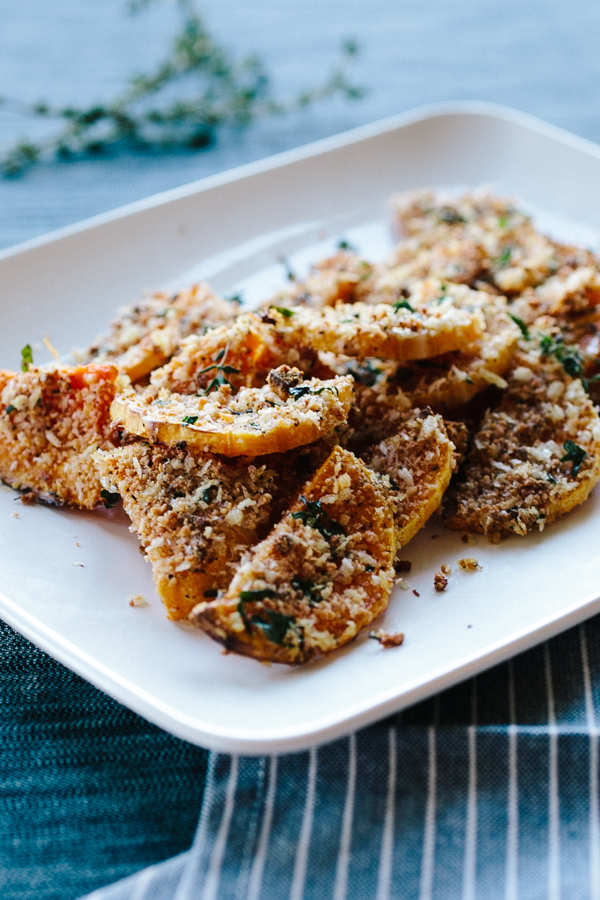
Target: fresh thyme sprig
(213, 91)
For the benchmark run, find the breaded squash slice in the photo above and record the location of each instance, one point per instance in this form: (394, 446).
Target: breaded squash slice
(534, 458)
(385, 331)
(194, 515)
(417, 463)
(241, 354)
(451, 381)
(52, 419)
(287, 412)
(147, 333)
(514, 254)
(323, 573)
(458, 261)
(344, 277)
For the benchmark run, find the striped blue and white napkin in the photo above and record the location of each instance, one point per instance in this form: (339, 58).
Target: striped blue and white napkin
(489, 790)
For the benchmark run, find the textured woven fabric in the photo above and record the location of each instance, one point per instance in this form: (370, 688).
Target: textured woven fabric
(489, 790)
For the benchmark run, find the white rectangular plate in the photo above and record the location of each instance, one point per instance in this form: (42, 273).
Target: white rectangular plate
(65, 576)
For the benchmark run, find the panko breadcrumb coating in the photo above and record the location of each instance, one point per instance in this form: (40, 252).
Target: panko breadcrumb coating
(285, 413)
(194, 514)
(344, 277)
(418, 462)
(383, 330)
(324, 572)
(147, 333)
(242, 353)
(514, 254)
(52, 420)
(534, 458)
(448, 382)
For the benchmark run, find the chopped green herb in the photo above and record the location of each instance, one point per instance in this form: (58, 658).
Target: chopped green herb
(257, 596)
(316, 517)
(109, 499)
(26, 358)
(235, 298)
(301, 390)
(503, 260)
(403, 304)
(210, 493)
(10, 408)
(450, 216)
(364, 373)
(275, 627)
(523, 327)
(346, 245)
(570, 357)
(503, 221)
(189, 420)
(575, 454)
(283, 311)
(221, 369)
(552, 478)
(589, 381)
(308, 589)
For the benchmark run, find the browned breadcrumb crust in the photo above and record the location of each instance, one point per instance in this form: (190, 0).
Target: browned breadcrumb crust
(386, 640)
(384, 330)
(250, 347)
(324, 572)
(416, 464)
(345, 277)
(194, 514)
(249, 422)
(52, 420)
(469, 564)
(440, 582)
(519, 474)
(514, 255)
(147, 333)
(451, 381)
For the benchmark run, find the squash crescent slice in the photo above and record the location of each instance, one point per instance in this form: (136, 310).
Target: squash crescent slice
(418, 461)
(52, 420)
(194, 515)
(323, 573)
(385, 331)
(253, 422)
(534, 458)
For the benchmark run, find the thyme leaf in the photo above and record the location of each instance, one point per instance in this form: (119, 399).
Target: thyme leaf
(403, 304)
(109, 499)
(189, 420)
(26, 358)
(316, 517)
(181, 105)
(575, 454)
(522, 326)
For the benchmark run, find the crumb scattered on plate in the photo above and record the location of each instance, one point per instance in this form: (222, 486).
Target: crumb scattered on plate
(387, 640)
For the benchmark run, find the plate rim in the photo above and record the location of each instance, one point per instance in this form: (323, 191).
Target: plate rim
(291, 739)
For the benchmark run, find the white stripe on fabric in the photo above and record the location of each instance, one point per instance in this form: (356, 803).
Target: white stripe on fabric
(256, 873)
(143, 883)
(553, 806)
(428, 857)
(211, 884)
(299, 877)
(197, 849)
(469, 868)
(384, 876)
(512, 831)
(594, 812)
(340, 887)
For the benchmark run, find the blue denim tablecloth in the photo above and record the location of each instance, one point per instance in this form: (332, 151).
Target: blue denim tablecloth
(489, 790)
